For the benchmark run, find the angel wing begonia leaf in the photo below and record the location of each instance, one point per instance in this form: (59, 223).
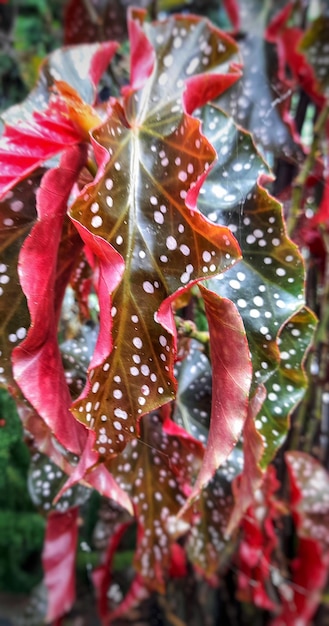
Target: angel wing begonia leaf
(18, 215)
(192, 407)
(37, 363)
(158, 244)
(101, 576)
(154, 471)
(246, 484)
(231, 365)
(258, 544)
(30, 137)
(209, 547)
(289, 41)
(58, 559)
(268, 284)
(260, 101)
(287, 385)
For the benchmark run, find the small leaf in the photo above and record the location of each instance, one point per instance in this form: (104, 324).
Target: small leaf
(39, 128)
(45, 480)
(245, 486)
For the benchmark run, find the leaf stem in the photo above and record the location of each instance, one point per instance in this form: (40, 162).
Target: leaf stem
(300, 180)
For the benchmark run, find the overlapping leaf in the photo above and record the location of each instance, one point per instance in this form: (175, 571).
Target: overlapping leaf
(157, 471)
(36, 361)
(209, 547)
(193, 402)
(158, 244)
(18, 215)
(286, 387)
(58, 560)
(39, 128)
(268, 284)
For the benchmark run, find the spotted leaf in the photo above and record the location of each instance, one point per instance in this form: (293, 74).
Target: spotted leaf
(140, 221)
(45, 480)
(310, 508)
(232, 375)
(293, 67)
(36, 361)
(268, 284)
(260, 102)
(18, 215)
(209, 546)
(309, 498)
(156, 471)
(193, 402)
(287, 386)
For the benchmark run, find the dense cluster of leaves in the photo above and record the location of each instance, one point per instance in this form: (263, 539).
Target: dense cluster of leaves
(154, 320)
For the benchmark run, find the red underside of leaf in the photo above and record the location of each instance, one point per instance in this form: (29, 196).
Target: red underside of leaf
(37, 363)
(58, 560)
(245, 486)
(231, 366)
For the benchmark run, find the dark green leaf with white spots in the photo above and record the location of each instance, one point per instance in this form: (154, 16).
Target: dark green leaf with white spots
(193, 401)
(45, 480)
(208, 545)
(287, 385)
(268, 284)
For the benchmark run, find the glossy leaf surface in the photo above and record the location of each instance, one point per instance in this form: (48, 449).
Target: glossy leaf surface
(158, 243)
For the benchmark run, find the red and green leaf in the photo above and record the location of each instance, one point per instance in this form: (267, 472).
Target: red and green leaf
(139, 219)
(157, 471)
(40, 127)
(37, 362)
